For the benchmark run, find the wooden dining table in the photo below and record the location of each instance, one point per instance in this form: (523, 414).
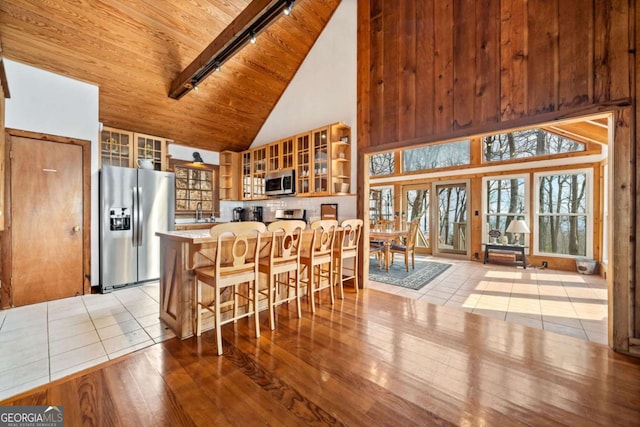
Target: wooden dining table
(387, 237)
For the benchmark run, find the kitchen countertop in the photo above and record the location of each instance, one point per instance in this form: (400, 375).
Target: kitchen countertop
(192, 236)
(195, 225)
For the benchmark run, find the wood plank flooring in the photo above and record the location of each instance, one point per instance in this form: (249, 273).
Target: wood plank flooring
(371, 359)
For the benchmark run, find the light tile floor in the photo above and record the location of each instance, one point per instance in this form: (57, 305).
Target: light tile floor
(43, 342)
(559, 301)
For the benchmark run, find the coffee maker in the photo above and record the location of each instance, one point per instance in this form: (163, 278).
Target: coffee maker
(238, 214)
(257, 213)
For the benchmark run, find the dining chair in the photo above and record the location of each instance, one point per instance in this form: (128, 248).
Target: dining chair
(317, 259)
(235, 262)
(408, 248)
(377, 248)
(347, 248)
(282, 267)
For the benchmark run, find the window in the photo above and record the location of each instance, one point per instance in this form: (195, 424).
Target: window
(505, 199)
(196, 187)
(526, 143)
(436, 156)
(382, 164)
(381, 204)
(563, 213)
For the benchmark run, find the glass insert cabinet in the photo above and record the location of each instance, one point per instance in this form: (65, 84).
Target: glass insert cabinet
(123, 148)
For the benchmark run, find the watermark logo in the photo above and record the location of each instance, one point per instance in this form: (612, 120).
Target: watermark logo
(31, 416)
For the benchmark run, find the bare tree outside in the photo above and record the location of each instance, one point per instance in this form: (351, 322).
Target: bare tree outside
(562, 219)
(561, 222)
(436, 156)
(526, 143)
(382, 164)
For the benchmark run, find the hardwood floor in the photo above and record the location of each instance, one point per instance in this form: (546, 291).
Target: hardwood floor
(371, 359)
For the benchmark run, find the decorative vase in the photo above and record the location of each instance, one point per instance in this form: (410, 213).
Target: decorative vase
(145, 163)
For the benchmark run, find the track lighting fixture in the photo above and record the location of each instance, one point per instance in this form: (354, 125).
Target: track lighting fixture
(229, 43)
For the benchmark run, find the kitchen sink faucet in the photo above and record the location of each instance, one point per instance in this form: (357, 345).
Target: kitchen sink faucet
(198, 211)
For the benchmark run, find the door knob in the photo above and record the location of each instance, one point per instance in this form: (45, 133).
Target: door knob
(76, 228)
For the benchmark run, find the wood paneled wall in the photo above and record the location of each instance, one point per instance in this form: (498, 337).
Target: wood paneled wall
(437, 67)
(433, 70)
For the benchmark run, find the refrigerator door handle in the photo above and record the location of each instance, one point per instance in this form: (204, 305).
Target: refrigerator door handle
(140, 216)
(136, 217)
(134, 213)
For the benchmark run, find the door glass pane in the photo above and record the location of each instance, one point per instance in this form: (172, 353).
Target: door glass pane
(452, 218)
(418, 210)
(381, 206)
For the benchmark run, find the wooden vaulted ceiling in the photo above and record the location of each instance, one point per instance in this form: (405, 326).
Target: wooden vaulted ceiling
(134, 49)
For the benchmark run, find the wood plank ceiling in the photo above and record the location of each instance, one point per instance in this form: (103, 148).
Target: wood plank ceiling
(134, 49)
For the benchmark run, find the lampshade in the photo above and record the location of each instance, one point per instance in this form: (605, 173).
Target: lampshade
(518, 226)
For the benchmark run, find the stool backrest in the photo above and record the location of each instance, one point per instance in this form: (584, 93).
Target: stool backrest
(285, 239)
(324, 232)
(233, 247)
(351, 232)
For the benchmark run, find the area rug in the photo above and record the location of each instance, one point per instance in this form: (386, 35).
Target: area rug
(424, 273)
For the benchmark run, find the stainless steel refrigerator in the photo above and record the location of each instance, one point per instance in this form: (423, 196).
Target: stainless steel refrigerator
(134, 205)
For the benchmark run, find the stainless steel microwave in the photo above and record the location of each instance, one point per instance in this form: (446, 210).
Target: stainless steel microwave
(281, 183)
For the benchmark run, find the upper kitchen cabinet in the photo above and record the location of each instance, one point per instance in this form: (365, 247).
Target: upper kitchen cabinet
(340, 158)
(116, 147)
(303, 164)
(229, 175)
(320, 162)
(123, 148)
(280, 155)
(151, 147)
(323, 161)
(254, 169)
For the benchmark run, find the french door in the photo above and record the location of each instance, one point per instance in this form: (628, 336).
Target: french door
(451, 200)
(417, 199)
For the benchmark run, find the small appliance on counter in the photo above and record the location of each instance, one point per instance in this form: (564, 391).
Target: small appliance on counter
(284, 214)
(238, 214)
(256, 213)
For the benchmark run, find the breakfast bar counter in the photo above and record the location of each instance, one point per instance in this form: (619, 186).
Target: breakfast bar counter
(179, 257)
(181, 252)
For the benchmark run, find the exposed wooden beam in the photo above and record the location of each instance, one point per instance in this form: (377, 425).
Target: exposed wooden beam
(183, 83)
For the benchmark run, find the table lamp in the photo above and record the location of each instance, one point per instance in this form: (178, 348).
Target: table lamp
(517, 227)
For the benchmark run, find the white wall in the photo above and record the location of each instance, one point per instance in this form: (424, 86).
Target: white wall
(49, 103)
(324, 90)
(181, 152)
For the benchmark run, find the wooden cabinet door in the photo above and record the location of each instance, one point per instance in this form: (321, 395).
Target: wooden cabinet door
(116, 147)
(246, 175)
(46, 220)
(320, 158)
(288, 153)
(303, 164)
(274, 157)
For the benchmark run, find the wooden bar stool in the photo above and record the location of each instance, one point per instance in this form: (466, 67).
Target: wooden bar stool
(283, 265)
(235, 262)
(317, 259)
(347, 247)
